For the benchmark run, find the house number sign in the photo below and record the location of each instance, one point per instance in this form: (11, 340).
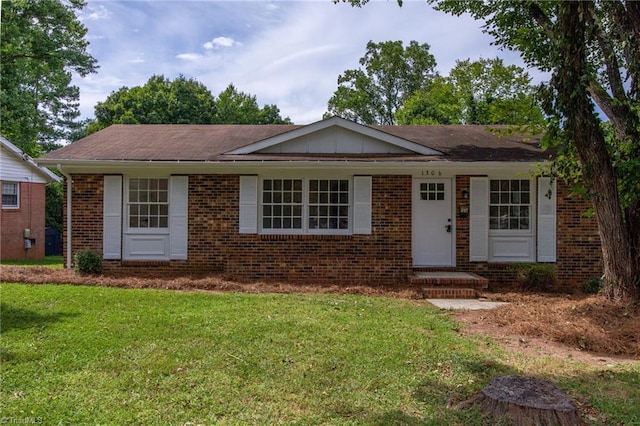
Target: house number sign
(431, 173)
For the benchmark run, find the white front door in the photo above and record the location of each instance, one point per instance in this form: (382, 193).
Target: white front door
(433, 222)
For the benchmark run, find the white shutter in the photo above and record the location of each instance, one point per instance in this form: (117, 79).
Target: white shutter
(112, 218)
(362, 204)
(546, 220)
(178, 217)
(248, 205)
(479, 220)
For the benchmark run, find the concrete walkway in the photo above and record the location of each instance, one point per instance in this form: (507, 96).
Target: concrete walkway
(468, 304)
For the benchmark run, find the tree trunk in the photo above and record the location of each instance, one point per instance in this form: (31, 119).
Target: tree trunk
(525, 401)
(621, 271)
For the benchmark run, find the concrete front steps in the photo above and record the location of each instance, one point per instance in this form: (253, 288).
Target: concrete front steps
(448, 285)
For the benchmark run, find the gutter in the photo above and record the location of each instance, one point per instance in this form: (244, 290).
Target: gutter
(69, 187)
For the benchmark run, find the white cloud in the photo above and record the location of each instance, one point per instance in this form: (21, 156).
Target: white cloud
(189, 56)
(219, 42)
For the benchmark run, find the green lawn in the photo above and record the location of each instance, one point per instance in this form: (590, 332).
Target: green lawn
(49, 261)
(90, 355)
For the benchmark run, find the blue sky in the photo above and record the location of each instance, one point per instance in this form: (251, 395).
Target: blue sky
(287, 53)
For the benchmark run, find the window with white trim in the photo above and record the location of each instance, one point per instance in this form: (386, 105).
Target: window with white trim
(299, 206)
(282, 204)
(148, 203)
(509, 204)
(10, 195)
(329, 204)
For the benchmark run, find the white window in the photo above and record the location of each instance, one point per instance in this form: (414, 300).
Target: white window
(509, 204)
(329, 204)
(148, 203)
(300, 206)
(10, 195)
(282, 204)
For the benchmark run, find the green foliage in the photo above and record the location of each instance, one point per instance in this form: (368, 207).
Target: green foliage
(234, 107)
(53, 205)
(159, 101)
(536, 276)
(42, 44)
(181, 101)
(390, 74)
(439, 104)
(480, 92)
(87, 262)
(593, 285)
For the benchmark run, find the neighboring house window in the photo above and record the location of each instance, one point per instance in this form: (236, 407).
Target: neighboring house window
(509, 204)
(306, 205)
(148, 203)
(10, 195)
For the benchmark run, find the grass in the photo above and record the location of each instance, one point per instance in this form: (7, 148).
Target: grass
(55, 262)
(93, 355)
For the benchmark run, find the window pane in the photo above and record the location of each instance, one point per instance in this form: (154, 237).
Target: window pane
(148, 203)
(509, 206)
(282, 204)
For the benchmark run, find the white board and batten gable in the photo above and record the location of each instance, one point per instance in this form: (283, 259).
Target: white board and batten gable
(335, 136)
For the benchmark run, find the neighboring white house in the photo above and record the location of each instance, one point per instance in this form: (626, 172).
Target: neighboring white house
(22, 216)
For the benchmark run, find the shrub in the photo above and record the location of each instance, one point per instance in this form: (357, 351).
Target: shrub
(87, 262)
(536, 276)
(593, 285)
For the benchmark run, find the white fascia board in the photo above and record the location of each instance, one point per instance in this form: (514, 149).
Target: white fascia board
(337, 122)
(47, 174)
(416, 168)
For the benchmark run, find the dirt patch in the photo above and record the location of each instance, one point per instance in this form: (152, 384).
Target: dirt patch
(590, 329)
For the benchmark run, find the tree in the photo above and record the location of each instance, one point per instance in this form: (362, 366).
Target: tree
(159, 101)
(479, 92)
(42, 43)
(391, 73)
(181, 101)
(234, 107)
(493, 93)
(439, 104)
(592, 49)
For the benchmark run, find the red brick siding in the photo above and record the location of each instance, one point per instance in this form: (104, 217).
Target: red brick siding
(382, 258)
(215, 246)
(29, 215)
(578, 242)
(87, 211)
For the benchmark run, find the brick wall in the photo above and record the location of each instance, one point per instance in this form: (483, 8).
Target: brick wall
(382, 258)
(215, 246)
(30, 215)
(578, 244)
(579, 256)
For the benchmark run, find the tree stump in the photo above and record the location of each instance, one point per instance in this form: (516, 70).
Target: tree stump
(525, 401)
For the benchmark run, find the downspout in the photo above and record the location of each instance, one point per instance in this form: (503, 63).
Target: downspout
(69, 182)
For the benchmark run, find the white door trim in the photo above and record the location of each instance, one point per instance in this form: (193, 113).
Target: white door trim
(421, 236)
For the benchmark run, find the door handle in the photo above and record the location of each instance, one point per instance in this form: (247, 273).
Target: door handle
(448, 228)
